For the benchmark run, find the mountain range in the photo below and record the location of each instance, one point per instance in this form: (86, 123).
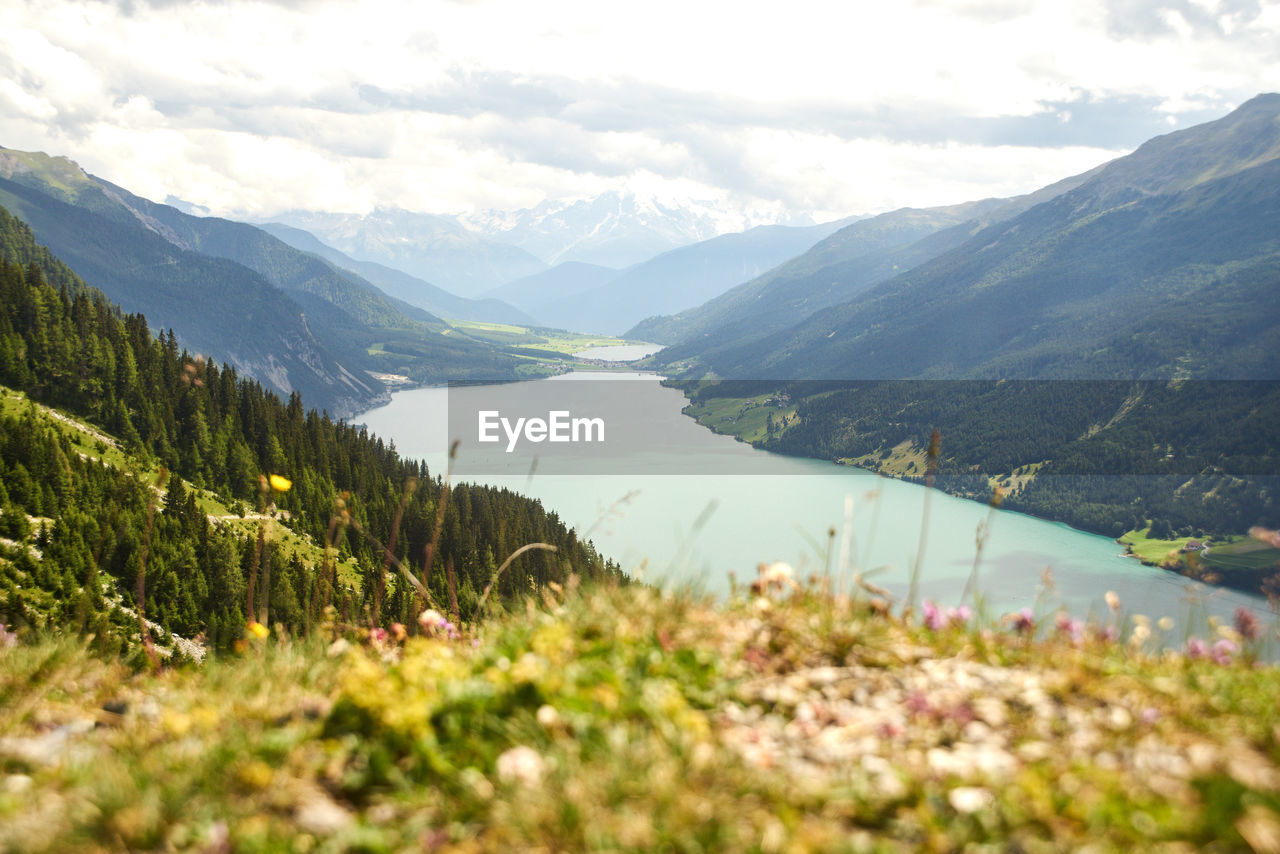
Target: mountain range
(615, 229)
(431, 247)
(397, 283)
(1160, 263)
(592, 298)
(289, 319)
(1101, 352)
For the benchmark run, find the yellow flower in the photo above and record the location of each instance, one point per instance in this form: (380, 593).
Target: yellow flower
(258, 630)
(280, 484)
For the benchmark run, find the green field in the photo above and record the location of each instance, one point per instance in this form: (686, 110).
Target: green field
(1242, 553)
(747, 418)
(556, 341)
(1149, 550)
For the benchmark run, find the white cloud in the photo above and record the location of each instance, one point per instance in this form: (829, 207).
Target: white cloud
(829, 107)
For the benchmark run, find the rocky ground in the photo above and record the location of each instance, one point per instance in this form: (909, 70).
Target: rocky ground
(782, 720)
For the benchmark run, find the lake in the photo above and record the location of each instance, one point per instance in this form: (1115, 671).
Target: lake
(619, 352)
(681, 505)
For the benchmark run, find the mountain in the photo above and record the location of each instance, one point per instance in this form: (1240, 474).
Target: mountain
(1161, 263)
(427, 246)
(266, 336)
(534, 294)
(1105, 358)
(113, 542)
(401, 285)
(287, 318)
(853, 259)
(677, 279)
(615, 229)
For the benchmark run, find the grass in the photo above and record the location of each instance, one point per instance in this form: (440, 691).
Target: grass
(1152, 551)
(554, 341)
(1242, 553)
(746, 418)
(598, 719)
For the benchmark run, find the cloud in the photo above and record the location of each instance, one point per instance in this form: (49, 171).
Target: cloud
(245, 107)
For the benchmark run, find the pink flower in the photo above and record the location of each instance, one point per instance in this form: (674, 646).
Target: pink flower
(1223, 650)
(1197, 648)
(933, 617)
(1069, 628)
(1246, 624)
(1024, 622)
(936, 619)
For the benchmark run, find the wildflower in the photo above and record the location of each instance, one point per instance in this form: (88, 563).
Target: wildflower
(775, 575)
(280, 484)
(1069, 628)
(1113, 600)
(258, 630)
(434, 623)
(969, 799)
(7, 638)
(339, 647)
(1223, 649)
(548, 716)
(1024, 621)
(378, 635)
(1196, 648)
(1150, 715)
(1106, 634)
(399, 632)
(1246, 624)
(934, 619)
(521, 765)
(959, 615)
(779, 573)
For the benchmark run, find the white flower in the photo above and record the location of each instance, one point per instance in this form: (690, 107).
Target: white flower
(969, 799)
(548, 716)
(521, 765)
(778, 573)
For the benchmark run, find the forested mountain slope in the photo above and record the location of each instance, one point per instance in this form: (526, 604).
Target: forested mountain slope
(280, 315)
(400, 285)
(1158, 265)
(1106, 357)
(99, 525)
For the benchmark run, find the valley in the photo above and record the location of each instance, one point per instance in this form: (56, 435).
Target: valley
(494, 426)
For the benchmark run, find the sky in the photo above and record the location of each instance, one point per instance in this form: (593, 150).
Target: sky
(766, 109)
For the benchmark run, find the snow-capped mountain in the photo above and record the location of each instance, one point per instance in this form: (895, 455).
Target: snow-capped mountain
(616, 229)
(430, 246)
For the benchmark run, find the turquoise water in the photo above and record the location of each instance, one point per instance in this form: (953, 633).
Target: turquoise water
(619, 352)
(700, 523)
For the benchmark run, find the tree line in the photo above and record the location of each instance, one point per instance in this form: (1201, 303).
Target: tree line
(65, 345)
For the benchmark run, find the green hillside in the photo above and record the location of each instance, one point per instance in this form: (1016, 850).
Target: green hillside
(287, 318)
(1118, 340)
(154, 491)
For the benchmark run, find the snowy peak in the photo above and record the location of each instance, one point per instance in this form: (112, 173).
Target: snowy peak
(616, 229)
